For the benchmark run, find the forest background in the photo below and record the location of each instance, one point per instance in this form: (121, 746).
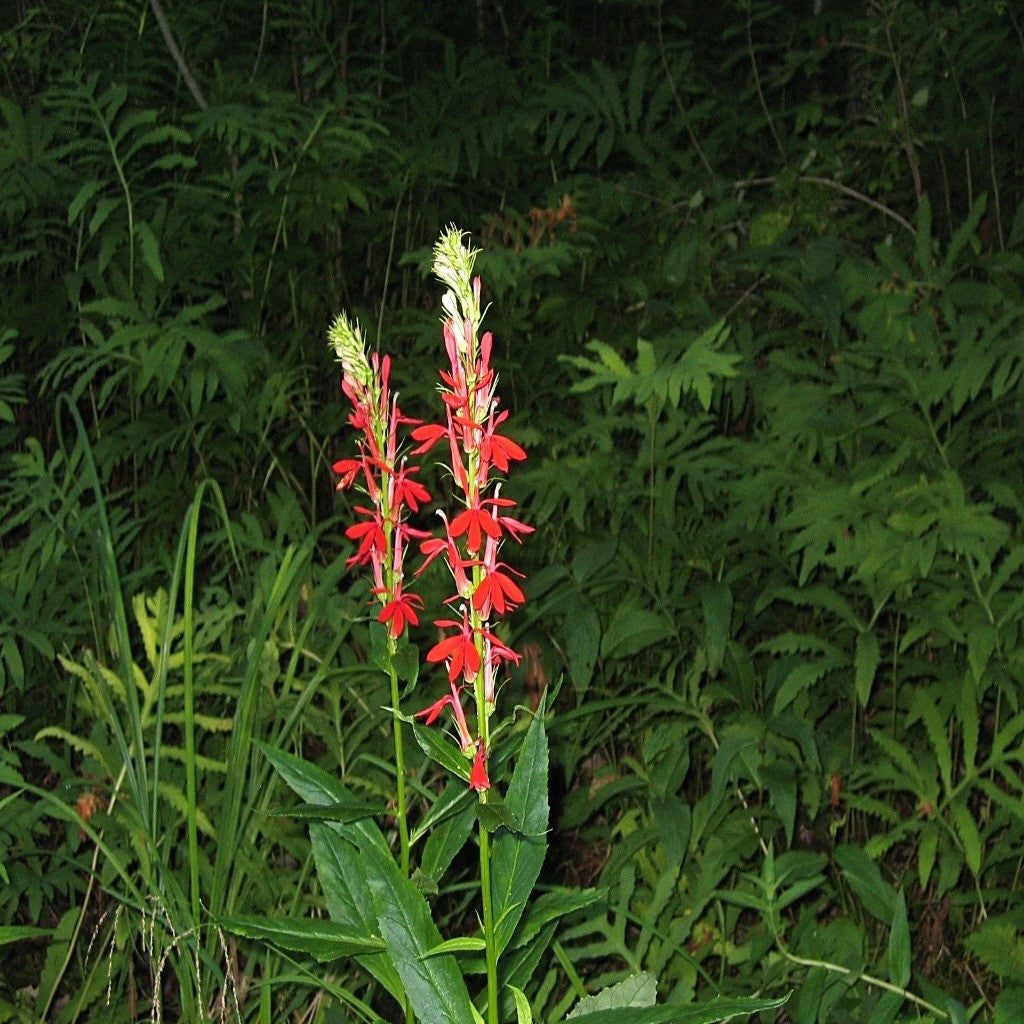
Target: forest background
(754, 274)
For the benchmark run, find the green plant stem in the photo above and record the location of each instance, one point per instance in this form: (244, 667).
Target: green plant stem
(490, 948)
(396, 725)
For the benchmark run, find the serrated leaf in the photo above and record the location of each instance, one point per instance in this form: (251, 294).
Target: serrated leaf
(345, 812)
(516, 859)
(899, 944)
(865, 664)
(970, 838)
(434, 986)
(638, 990)
(81, 200)
(150, 249)
(718, 1009)
(324, 940)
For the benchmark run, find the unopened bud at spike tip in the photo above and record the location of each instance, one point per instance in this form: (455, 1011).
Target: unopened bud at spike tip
(347, 341)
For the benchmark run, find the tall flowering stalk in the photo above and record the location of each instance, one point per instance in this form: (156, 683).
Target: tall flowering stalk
(470, 544)
(383, 532)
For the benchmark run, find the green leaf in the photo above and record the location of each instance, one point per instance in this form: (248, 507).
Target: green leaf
(716, 601)
(341, 871)
(324, 940)
(434, 985)
(970, 838)
(81, 200)
(1009, 1008)
(524, 1015)
(463, 944)
(638, 990)
(717, 1009)
(582, 645)
(19, 932)
(866, 880)
(899, 944)
(516, 859)
(550, 906)
(344, 812)
(441, 750)
(315, 786)
(886, 1008)
(495, 814)
(449, 835)
(150, 249)
(865, 664)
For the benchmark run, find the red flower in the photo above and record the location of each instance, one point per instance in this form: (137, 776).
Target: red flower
(474, 522)
(399, 612)
(497, 591)
(452, 700)
(459, 650)
(408, 491)
(478, 779)
(497, 450)
(349, 470)
(429, 434)
(431, 714)
(370, 535)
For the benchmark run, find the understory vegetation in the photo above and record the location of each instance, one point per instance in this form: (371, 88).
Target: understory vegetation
(754, 273)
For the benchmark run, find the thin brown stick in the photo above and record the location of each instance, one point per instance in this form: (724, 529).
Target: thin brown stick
(838, 186)
(760, 91)
(908, 139)
(679, 102)
(179, 60)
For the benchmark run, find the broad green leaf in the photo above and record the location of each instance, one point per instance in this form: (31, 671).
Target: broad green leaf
(341, 871)
(516, 859)
(582, 645)
(324, 940)
(315, 786)
(18, 932)
(927, 847)
(434, 985)
(550, 906)
(82, 198)
(899, 944)
(637, 990)
(448, 837)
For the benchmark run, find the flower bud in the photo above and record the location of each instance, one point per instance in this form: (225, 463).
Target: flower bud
(347, 341)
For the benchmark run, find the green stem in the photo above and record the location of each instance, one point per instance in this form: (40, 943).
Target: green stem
(400, 809)
(490, 947)
(396, 725)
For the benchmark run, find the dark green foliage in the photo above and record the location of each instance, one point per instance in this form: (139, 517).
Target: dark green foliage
(755, 284)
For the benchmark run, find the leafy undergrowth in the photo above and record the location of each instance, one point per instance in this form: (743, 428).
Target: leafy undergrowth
(755, 286)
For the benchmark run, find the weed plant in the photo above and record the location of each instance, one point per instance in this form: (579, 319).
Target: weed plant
(754, 276)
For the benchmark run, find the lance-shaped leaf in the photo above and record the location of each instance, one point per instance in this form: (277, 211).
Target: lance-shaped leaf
(433, 981)
(325, 940)
(517, 857)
